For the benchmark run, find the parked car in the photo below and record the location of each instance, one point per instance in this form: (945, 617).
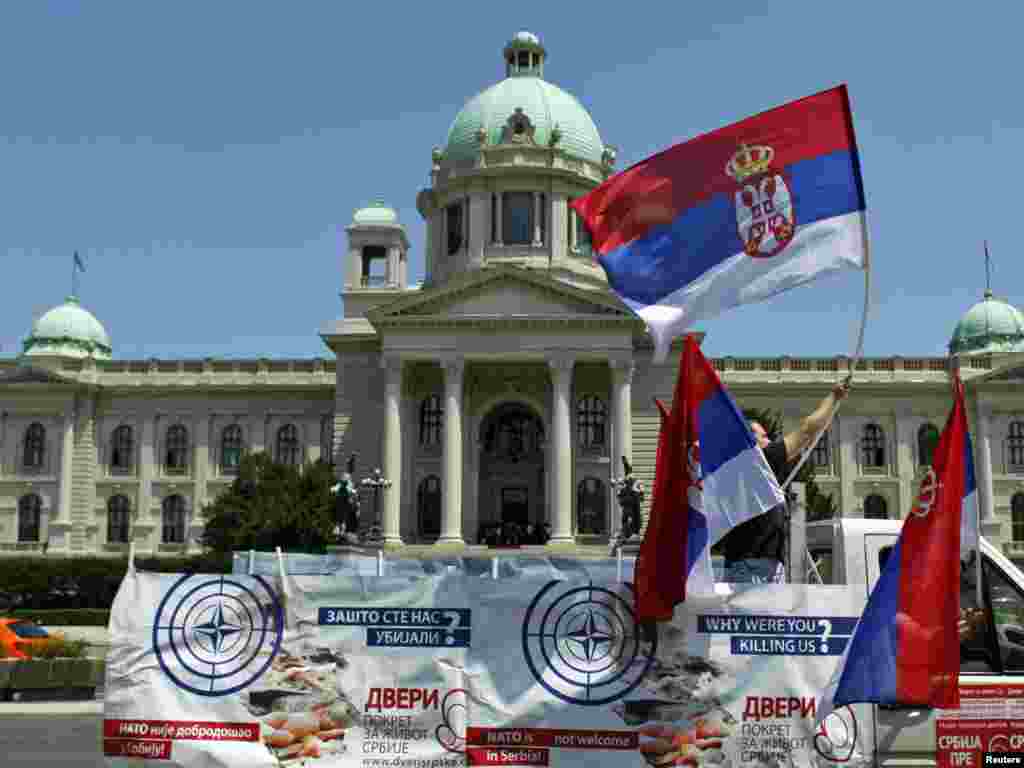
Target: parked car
(11, 600)
(18, 634)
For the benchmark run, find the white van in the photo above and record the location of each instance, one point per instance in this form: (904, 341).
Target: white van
(853, 551)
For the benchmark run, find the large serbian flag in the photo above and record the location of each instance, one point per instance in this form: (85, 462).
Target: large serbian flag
(906, 647)
(709, 477)
(734, 216)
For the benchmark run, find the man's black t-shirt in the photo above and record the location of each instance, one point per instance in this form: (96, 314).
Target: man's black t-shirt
(765, 535)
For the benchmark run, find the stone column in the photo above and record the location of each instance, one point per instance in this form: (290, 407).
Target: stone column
(558, 237)
(258, 436)
(846, 464)
(451, 489)
(392, 501)
(479, 232)
(906, 462)
(986, 498)
(147, 468)
(67, 457)
(561, 451)
(201, 466)
(354, 268)
(622, 428)
(393, 275)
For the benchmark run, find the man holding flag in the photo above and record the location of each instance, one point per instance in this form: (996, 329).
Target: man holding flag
(755, 550)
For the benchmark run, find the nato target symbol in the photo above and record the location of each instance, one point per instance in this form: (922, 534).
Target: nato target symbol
(215, 635)
(583, 644)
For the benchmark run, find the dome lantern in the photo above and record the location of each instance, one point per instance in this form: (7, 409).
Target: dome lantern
(524, 56)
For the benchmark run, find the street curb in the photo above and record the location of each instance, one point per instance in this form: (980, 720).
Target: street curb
(26, 709)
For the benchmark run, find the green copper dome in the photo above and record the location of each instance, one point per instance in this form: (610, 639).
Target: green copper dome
(546, 106)
(376, 214)
(68, 331)
(989, 326)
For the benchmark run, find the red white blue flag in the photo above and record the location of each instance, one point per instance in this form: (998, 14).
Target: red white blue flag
(709, 477)
(906, 647)
(734, 216)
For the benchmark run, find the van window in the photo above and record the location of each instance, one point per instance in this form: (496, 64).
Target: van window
(820, 569)
(977, 655)
(1008, 614)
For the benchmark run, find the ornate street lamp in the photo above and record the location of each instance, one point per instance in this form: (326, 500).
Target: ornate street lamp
(375, 483)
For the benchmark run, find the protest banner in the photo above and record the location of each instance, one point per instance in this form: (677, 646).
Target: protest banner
(446, 669)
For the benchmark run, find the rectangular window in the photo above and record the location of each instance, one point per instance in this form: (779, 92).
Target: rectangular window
(542, 211)
(517, 218)
(494, 218)
(454, 228)
(374, 265)
(582, 235)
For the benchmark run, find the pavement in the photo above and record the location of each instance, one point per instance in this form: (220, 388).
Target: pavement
(35, 709)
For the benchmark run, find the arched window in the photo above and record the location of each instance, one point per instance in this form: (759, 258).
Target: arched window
(428, 505)
(822, 454)
(1015, 446)
(517, 218)
(876, 508)
(176, 454)
(591, 507)
(34, 452)
(512, 432)
(122, 450)
(118, 509)
(927, 440)
(30, 512)
(591, 416)
(1017, 517)
(872, 447)
(431, 419)
(172, 516)
(288, 445)
(327, 439)
(230, 449)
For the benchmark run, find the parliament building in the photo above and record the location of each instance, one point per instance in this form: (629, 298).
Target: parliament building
(505, 387)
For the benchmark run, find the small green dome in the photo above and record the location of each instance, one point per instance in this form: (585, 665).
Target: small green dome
(376, 214)
(544, 104)
(68, 331)
(991, 325)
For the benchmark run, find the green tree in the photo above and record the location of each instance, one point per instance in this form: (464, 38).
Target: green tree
(273, 505)
(820, 505)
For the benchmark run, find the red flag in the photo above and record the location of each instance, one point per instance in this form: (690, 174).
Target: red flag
(660, 574)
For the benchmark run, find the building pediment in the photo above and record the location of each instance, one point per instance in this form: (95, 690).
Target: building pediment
(502, 292)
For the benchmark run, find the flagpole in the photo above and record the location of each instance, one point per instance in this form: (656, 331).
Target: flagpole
(74, 278)
(854, 361)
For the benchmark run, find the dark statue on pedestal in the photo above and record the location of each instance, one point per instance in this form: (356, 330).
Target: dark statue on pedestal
(346, 506)
(631, 496)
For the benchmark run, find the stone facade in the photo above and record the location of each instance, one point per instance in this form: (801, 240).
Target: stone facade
(586, 409)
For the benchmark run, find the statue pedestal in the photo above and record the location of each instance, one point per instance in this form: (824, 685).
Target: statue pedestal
(629, 547)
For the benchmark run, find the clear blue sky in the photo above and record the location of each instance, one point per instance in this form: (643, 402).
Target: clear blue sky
(205, 157)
